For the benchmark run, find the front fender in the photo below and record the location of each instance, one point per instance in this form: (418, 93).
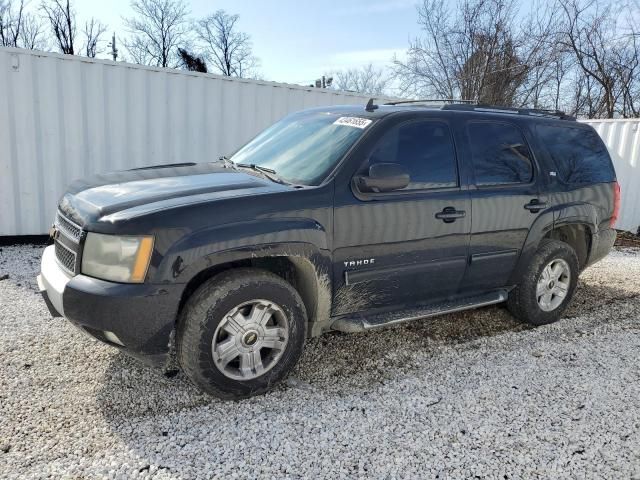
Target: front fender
(303, 242)
(219, 244)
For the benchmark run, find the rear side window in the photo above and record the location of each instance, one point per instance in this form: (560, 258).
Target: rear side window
(578, 153)
(425, 148)
(499, 154)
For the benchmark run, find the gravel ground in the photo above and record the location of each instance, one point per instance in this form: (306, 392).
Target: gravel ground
(470, 395)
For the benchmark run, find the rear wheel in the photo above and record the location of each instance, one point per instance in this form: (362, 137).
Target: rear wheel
(241, 332)
(547, 286)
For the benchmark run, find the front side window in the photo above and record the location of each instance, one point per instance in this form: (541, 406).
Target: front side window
(425, 148)
(303, 148)
(578, 153)
(499, 154)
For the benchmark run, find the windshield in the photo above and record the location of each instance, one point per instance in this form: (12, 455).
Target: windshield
(303, 148)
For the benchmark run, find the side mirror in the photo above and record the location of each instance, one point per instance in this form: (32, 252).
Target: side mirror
(384, 177)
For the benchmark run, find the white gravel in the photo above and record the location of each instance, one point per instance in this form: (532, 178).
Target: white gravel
(472, 395)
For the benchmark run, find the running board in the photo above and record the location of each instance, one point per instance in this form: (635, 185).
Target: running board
(360, 322)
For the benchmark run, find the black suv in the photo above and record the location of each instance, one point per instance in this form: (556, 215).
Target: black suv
(341, 218)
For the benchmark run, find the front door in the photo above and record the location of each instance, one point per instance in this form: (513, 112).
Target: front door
(408, 246)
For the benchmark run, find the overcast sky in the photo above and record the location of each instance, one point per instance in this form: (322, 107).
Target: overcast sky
(297, 41)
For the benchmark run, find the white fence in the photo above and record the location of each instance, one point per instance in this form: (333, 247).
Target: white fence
(64, 117)
(622, 138)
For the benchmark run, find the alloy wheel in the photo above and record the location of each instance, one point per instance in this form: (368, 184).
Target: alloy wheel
(250, 339)
(553, 285)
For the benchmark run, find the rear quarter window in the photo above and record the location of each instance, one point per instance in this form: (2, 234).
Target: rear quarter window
(579, 154)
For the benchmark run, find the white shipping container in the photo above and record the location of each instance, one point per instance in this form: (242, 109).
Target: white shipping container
(622, 137)
(64, 117)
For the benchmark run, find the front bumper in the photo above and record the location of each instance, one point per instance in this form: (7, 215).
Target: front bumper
(52, 282)
(137, 318)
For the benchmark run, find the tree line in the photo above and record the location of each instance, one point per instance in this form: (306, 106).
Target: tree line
(159, 33)
(579, 56)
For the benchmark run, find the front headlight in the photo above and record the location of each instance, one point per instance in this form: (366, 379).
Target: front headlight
(118, 259)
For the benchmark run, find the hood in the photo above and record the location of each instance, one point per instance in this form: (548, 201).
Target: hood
(153, 188)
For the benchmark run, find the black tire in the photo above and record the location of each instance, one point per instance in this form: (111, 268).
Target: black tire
(523, 301)
(205, 310)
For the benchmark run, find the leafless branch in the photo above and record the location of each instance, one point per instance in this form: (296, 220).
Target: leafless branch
(367, 79)
(63, 24)
(157, 29)
(11, 23)
(32, 33)
(227, 48)
(92, 31)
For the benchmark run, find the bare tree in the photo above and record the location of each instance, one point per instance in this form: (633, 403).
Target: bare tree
(62, 19)
(93, 30)
(19, 28)
(32, 33)
(482, 50)
(566, 54)
(4, 22)
(588, 33)
(587, 95)
(628, 63)
(600, 60)
(627, 67)
(367, 79)
(228, 49)
(157, 29)
(562, 64)
(536, 40)
(471, 52)
(11, 22)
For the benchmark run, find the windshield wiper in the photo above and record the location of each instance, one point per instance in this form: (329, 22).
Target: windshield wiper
(270, 173)
(253, 166)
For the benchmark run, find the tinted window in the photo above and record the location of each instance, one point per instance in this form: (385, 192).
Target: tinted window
(578, 153)
(499, 153)
(425, 148)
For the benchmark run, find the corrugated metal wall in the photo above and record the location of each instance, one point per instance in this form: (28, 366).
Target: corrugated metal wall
(622, 138)
(65, 117)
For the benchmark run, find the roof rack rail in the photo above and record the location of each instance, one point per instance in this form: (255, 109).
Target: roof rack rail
(533, 112)
(432, 100)
(473, 106)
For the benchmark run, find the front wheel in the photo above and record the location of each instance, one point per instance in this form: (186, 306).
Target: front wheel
(241, 332)
(547, 285)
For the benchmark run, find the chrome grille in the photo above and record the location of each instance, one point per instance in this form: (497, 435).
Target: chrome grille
(68, 228)
(67, 243)
(66, 258)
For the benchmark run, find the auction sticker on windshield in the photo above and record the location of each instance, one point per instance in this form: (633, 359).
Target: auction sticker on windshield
(356, 122)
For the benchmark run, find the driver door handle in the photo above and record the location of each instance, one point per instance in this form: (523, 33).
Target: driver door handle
(535, 205)
(450, 214)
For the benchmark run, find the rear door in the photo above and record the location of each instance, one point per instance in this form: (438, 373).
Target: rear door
(398, 248)
(505, 200)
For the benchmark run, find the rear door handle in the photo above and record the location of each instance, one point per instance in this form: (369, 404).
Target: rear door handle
(450, 214)
(535, 205)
